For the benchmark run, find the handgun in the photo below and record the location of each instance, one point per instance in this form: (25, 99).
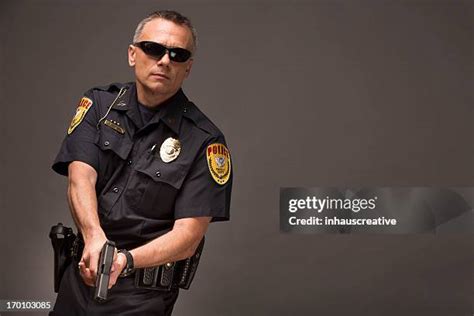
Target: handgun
(103, 271)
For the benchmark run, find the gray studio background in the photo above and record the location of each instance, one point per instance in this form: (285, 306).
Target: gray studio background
(321, 93)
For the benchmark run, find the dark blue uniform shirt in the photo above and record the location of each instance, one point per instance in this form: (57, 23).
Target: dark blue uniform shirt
(139, 194)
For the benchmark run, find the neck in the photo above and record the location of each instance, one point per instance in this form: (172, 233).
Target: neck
(149, 98)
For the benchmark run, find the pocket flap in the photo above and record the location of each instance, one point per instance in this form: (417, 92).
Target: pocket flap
(170, 173)
(119, 144)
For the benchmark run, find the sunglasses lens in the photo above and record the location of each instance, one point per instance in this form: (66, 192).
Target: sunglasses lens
(157, 50)
(179, 55)
(153, 49)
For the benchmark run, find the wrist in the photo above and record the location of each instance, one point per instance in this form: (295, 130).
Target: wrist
(92, 234)
(129, 267)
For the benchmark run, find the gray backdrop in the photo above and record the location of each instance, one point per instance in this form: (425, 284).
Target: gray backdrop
(355, 93)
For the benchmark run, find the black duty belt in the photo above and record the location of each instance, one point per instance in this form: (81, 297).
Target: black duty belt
(163, 278)
(170, 275)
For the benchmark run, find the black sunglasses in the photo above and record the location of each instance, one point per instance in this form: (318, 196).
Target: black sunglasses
(157, 50)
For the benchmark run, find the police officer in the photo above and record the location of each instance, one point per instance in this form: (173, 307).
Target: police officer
(146, 169)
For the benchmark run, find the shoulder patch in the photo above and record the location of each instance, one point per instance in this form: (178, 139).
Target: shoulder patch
(82, 108)
(218, 160)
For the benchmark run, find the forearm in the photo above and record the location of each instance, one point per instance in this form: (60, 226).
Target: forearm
(83, 201)
(180, 243)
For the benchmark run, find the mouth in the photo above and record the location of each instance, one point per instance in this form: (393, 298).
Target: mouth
(159, 75)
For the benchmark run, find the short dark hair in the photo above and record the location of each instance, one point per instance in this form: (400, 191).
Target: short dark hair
(168, 15)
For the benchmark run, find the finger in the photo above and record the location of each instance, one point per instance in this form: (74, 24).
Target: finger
(86, 273)
(93, 262)
(85, 259)
(81, 265)
(86, 276)
(115, 272)
(113, 279)
(90, 278)
(82, 269)
(114, 262)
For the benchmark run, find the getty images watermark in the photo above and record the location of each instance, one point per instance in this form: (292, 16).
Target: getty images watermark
(377, 210)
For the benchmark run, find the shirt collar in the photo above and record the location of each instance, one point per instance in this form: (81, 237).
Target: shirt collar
(171, 111)
(127, 102)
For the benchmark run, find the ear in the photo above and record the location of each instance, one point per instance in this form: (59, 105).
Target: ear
(131, 55)
(189, 66)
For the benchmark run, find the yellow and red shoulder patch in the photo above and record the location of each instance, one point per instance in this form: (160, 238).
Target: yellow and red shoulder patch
(218, 160)
(82, 108)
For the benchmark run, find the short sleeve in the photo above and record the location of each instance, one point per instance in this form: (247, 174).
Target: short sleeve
(79, 143)
(201, 194)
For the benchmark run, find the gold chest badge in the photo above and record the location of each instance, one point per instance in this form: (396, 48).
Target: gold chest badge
(82, 108)
(218, 160)
(170, 149)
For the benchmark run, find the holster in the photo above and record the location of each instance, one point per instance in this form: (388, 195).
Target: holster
(62, 239)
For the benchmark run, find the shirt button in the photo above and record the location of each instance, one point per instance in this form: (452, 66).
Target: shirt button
(116, 190)
(106, 143)
(158, 174)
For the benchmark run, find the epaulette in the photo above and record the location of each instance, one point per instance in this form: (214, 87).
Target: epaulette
(113, 87)
(201, 120)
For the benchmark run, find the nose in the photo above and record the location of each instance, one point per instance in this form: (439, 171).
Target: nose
(165, 59)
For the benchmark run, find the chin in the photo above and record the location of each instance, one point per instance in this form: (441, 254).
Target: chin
(158, 87)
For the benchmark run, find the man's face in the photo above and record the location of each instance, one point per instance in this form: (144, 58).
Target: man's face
(161, 76)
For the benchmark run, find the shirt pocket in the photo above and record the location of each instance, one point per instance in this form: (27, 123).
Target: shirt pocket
(114, 150)
(109, 141)
(153, 189)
